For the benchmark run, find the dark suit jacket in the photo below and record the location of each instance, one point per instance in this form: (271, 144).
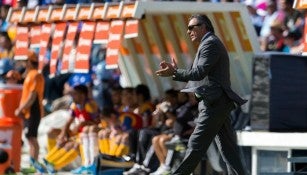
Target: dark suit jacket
(209, 75)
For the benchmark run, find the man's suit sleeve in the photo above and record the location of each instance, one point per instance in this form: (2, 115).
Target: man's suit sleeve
(207, 57)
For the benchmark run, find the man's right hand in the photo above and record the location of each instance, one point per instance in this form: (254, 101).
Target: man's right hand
(62, 137)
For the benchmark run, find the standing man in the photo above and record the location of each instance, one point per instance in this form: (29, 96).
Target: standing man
(31, 107)
(209, 80)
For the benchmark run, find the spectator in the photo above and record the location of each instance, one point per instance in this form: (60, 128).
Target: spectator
(273, 14)
(294, 19)
(21, 3)
(293, 40)
(256, 19)
(275, 41)
(6, 46)
(4, 10)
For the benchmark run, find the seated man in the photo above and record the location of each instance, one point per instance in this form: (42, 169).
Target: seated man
(84, 112)
(145, 158)
(178, 122)
(113, 140)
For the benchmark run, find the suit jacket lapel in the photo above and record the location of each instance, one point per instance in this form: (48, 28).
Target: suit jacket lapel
(198, 49)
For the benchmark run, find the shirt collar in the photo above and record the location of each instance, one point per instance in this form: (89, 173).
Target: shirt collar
(206, 35)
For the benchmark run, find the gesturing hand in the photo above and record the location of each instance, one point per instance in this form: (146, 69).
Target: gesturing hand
(167, 69)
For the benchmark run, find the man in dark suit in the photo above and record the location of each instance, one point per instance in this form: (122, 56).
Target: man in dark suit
(209, 80)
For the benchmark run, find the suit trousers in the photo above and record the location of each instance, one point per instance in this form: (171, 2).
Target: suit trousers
(213, 124)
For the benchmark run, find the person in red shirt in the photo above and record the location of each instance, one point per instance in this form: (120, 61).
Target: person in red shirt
(84, 113)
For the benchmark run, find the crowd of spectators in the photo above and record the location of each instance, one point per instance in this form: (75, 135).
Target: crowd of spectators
(278, 25)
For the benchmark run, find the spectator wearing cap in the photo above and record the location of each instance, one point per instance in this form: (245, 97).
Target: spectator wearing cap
(31, 107)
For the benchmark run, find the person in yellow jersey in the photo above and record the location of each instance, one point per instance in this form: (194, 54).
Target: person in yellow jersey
(145, 107)
(113, 140)
(110, 138)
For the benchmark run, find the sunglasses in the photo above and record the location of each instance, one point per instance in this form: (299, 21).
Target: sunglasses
(191, 27)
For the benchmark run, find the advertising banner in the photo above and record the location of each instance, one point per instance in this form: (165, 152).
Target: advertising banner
(43, 14)
(70, 13)
(56, 48)
(22, 43)
(56, 14)
(102, 32)
(114, 43)
(29, 16)
(98, 12)
(35, 36)
(45, 35)
(15, 15)
(131, 29)
(84, 12)
(128, 10)
(82, 62)
(69, 44)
